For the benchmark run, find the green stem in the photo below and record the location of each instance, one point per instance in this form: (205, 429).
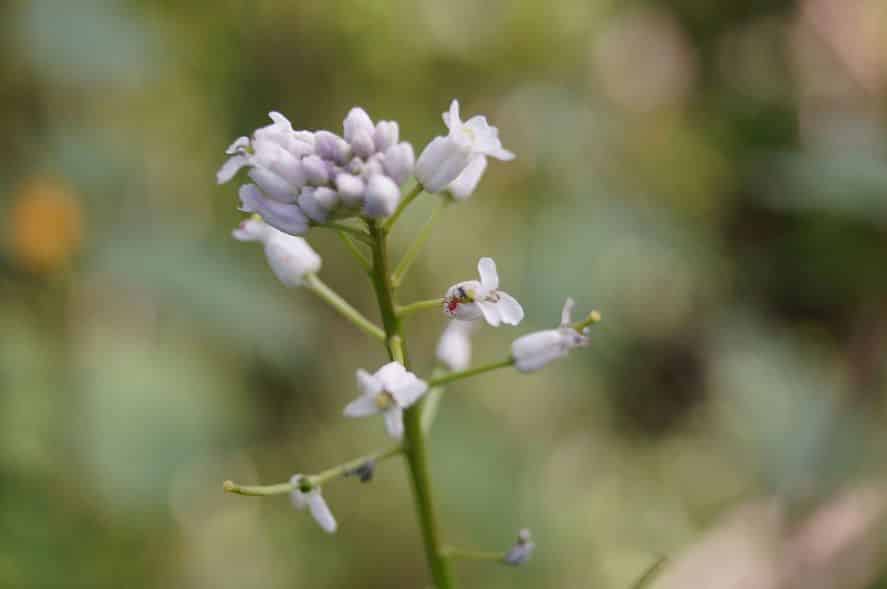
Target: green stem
(453, 552)
(454, 376)
(413, 434)
(404, 310)
(315, 480)
(362, 236)
(352, 248)
(316, 285)
(404, 203)
(415, 248)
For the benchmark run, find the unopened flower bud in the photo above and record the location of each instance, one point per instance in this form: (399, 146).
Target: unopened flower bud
(357, 122)
(385, 135)
(290, 257)
(331, 147)
(521, 551)
(398, 162)
(351, 189)
(309, 205)
(316, 170)
(382, 195)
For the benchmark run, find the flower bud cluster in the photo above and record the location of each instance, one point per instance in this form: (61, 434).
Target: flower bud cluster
(303, 177)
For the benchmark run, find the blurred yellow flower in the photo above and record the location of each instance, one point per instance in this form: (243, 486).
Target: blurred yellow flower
(46, 226)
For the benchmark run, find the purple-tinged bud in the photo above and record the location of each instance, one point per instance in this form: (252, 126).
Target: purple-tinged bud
(331, 147)
(382, 196)
(398, 162)
(351, 189)
(385, 135)
(316, 170)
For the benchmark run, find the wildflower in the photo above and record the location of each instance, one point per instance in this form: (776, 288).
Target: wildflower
(446, 158)
(471, 300)
(521, 551)
(533, 351)
(454, 346)
(290, 257)
(315, 503)
(389, 391)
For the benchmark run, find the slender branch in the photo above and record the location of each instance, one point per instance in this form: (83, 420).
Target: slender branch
(404, 310)
(401, 207)
(454, 376)
(315, 480)
(315, 285)
(650, 574)
(352, 248)
(432, 402)
(414, 438)
(415, 248)
(453, 552)
(361, 235)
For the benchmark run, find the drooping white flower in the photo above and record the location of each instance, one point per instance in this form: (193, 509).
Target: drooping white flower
(289, 256)
(454, 346)
(389, 391)
(471, 300)
(445, 158)
(315, 503)
(533, 351)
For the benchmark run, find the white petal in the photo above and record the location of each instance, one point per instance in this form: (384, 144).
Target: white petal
(230, 168)
(441, 162)
(489, 278)
(394, 422)
(465, 185)
(368, 384)
(510, 310)
(320, 511)
(567, 311)
(391, 375)
(238, 146)
(490, 311)
(280, 120)
(409, 390)
(362, 406)
(451, 117)
(251, 230)
(501, 154)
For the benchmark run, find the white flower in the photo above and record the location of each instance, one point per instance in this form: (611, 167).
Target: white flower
(454, 346)
(290, 257)
(445, 158)
(533, 351)
(472, 300)
(389, 391)
(315, 503)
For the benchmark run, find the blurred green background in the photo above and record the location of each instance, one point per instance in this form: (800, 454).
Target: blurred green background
(709, 174)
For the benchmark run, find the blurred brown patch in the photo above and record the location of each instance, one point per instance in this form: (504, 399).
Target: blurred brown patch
(45, 225)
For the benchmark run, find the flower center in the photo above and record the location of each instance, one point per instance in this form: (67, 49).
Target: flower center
(384, 400)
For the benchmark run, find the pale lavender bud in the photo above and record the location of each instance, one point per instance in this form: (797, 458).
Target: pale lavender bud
(351, 189)
(382, 195)
(398, 162)
(385, 135)
(311, 207)
(373, 166)
(316, 170)
(441, 162)
(288, 218)
(356, 122)
(332, 147)
(273, 185)
(362, 144)
(326, 197)
(465, 185)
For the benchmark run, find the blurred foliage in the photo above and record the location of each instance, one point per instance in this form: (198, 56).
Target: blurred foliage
(710, 175)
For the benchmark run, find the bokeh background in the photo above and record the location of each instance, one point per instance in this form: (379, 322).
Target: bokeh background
(710, 175)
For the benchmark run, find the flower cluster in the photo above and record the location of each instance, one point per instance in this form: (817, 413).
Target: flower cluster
(302, 179)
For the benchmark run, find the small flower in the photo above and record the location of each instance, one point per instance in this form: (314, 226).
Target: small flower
(454, 346)
(315, 503)
(389, 391)
(290, 257)
(521, 551)
(533, 351)
(445, 158)
(472, 300)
